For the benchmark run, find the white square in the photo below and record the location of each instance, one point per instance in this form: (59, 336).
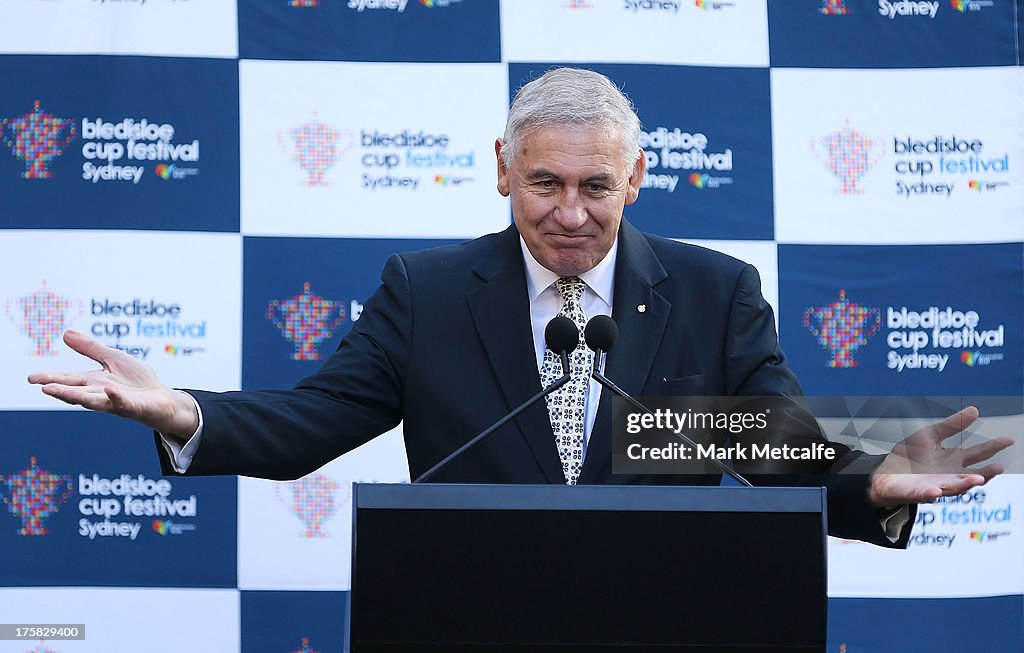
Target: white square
(188, 28)
(702, 33)
(172, 300)
(843, 173)
(371, 150)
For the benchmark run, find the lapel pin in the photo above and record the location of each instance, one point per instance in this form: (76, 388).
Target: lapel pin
(641, 308)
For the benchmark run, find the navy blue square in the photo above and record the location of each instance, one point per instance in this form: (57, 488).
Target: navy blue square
(903, 319)
(84, 503)
(891, 33)
(284, 274)
(300, 622)
(94, 142)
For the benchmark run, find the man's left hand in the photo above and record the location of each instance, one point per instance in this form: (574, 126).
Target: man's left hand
(920, 470)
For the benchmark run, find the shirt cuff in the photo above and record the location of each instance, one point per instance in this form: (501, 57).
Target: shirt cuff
(179, 450)
(893, 521)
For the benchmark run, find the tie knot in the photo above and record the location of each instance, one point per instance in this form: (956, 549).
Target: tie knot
(571, 289)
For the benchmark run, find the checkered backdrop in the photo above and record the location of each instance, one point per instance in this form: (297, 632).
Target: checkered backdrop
(177, 175)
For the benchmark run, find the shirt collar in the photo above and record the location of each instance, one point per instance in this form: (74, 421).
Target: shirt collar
(600, 278)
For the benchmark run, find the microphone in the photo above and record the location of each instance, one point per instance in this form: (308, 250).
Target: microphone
(601, 333)
(561, 337)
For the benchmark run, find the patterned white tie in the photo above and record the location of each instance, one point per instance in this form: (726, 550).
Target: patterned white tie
(567, 407)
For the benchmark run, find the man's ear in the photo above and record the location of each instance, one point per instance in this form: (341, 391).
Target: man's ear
(635, 179)
(503, 186)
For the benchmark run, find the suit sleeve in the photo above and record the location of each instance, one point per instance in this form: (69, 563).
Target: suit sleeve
(356, 396)
(756, 366)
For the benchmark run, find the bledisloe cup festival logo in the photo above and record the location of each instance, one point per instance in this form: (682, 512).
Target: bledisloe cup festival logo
(43, 316)
(33, 495)
(313, 500)
(833, 7)
(842, 328)
(305, 648)
(306, 320)
(916, 339)
(673, 151)
(891, 8)
(931, 167)
(37, 138)
(111, 152)
(924, 339)
(847, 154)
(137, 327)
(391, 161)
(315, 147)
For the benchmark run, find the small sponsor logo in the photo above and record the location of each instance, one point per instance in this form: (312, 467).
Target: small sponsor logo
(168, 527)
(170, 171)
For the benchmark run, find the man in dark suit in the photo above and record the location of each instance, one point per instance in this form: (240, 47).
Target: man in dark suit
(452, 341)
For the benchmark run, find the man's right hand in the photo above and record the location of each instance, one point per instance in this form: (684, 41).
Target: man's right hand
(123, 387)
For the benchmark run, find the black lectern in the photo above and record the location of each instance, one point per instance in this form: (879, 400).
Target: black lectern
(517, 568)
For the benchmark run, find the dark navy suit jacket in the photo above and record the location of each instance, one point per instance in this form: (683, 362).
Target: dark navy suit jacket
(445, 345)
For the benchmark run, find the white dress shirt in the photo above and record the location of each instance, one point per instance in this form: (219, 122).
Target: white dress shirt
(546, 302)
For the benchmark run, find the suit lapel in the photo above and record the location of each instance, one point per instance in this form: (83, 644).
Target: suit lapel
(637, 271)
(500, 310)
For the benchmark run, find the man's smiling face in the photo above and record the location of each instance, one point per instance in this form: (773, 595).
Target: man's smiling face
(569, 186)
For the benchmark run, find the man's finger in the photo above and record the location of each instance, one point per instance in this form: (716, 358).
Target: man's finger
(88, 347)
(954, 424)
(118, 402)
(959, 483)
(985, 450)
(76, 396)
(988, 471)
(63, 378)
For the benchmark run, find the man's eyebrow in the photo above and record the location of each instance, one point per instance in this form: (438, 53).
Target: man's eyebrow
(541, 173)
(544, 173)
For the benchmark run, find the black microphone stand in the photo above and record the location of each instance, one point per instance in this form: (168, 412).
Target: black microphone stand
(555, 385)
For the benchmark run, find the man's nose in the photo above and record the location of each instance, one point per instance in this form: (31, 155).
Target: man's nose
(570, 212)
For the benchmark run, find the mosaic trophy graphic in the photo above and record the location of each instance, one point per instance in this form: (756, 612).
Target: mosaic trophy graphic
(842, 328)
(311, 500)
(306, 320)
(306, 648)
(42, 316)
(315, 146)
(34, 494)
(849, 155)
(37, 138)
(833, 7)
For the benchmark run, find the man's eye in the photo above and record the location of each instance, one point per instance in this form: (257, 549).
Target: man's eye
(595, 188)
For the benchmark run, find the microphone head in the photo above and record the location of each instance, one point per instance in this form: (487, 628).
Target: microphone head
(561, 334)
(601, 333)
